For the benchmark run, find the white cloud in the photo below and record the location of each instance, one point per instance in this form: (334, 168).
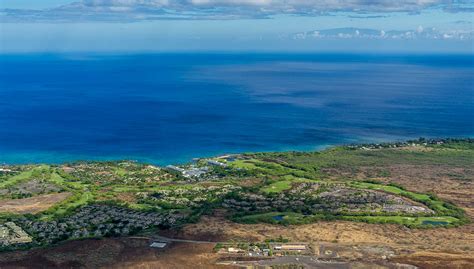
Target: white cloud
(279, 4)
(357, 33)
(326, 4)
(219, 9)
(232, 2)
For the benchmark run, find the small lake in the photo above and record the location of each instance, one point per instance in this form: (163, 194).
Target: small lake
(278, 218)
(434, 223)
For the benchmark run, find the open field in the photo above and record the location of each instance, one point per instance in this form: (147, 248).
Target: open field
(435, 260)
(444, 247)
(114, 253)
(32, 205)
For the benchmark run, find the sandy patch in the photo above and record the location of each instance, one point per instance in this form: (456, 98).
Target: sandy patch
(33, 204)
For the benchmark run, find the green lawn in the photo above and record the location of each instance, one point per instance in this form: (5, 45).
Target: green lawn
(119, 171)
(283, 185)
(268, 168)
(60, 181)
(436, 205)
(82, 195)
(296, 218)
(77, 200)
(319, 164)
(243, 164)
(277, 218)
(278, 186)
(23, 176)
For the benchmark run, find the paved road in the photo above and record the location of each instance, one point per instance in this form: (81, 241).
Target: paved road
(307, 261)
(166, 239)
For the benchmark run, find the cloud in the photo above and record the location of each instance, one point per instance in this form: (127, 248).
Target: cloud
(379, 34)
(276, 6)
(367, 16)
(132, 10)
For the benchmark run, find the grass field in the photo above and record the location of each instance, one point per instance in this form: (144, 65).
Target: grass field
(285, 218)
(23, 176)
(284, 184)
(278, 186)
(291, 218)
(323, 163)
(436, 205)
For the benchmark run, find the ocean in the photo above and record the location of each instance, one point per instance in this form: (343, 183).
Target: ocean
(170, 108)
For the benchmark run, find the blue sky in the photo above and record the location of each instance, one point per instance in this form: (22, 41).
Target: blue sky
(236, 25)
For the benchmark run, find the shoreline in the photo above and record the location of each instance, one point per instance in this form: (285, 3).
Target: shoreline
(354, 185)
(188, 159)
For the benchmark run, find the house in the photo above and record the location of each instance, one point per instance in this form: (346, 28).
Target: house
(153, 167)
(175, 168)
(216, 163)
(195, 171)
(235, 250)
(13, 234)
(290, 247)
(68, 169)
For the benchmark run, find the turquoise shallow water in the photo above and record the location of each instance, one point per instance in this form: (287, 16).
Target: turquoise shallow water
(169, 108)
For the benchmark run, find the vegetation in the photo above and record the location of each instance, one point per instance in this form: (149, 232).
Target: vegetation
(283, 185)
(285, 188)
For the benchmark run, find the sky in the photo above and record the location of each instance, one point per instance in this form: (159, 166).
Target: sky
(418, 26)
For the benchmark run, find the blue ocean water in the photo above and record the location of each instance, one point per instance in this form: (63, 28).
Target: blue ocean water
(169, 108)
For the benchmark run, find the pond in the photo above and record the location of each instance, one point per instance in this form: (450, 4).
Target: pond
(278, 217)
(434, 223)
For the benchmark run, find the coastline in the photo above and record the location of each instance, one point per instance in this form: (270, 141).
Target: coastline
(387, 187)
(56, 158)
